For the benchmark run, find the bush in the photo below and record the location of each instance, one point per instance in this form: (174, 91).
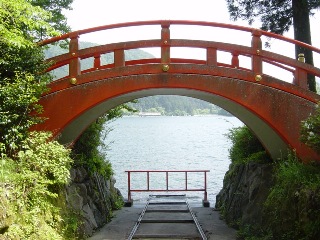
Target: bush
(293, 205)
(292, 208)
(245, 146)
(29, 186)
(310, 131)
(86, 153)
(86, 149)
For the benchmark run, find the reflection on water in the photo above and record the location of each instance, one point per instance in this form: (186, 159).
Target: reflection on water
(171, 143)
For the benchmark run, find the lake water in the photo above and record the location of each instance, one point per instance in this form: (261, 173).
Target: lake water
(170, 143)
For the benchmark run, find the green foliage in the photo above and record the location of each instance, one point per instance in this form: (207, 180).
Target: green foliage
(57, 20)
(275, 15)
(29, 186)
(292, 208)
(21, 23)
(247, 232)
(118, 202)
(72, 219)
(310, 131)
(118, 111)
(85, 150)
(21, 61)
(293, 205)
(48, 158)
(18, 97)
(245, 146)
(33, 170)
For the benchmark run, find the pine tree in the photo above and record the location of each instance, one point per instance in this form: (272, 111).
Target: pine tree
(278, 16)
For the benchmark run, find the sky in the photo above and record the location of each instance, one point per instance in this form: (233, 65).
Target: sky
(100, 12)
(87, 14)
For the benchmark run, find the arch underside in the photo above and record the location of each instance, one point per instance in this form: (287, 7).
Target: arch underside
(268, 112)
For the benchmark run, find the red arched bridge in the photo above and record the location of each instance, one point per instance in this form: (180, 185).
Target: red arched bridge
(271, 108)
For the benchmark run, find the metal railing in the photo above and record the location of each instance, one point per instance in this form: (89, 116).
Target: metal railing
(167, 189)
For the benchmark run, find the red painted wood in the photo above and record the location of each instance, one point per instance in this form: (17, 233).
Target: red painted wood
(266, 97)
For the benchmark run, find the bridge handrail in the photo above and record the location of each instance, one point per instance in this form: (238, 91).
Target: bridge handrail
(177, 22)
(299, 68)
(241, 50)
(148, 189)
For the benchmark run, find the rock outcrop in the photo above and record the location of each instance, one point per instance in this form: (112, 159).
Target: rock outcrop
(245, 189)
(93, 197)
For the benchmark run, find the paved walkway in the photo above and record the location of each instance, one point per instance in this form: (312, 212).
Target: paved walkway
(124, 219)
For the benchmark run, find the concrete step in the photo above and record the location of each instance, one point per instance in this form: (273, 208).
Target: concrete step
(167, 230)
(167, 216)
(167, 208)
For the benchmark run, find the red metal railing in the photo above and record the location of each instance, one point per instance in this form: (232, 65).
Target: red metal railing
(167, 189)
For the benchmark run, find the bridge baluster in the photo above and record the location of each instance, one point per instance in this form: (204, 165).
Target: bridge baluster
(74, 65)
(119, 58)
(300, 76)
(165, 42)
(212, 56)
(256, 45)
(235, 60)
(97, 62)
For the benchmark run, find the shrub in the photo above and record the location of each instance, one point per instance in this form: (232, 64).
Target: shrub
(310, 131)
(86, 152)
(29, 186)
(86, 149)
(245, 146)
(293, 205)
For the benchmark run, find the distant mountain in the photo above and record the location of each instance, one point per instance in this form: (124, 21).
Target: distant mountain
(173, 105)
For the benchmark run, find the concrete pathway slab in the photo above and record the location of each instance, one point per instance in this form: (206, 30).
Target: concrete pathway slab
(181, 230)
(168, 216)
(124, 220)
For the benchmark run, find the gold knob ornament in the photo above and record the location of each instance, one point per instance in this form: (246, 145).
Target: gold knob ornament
(73, 81)
(165, 68)
(258, 77)
(301, 57)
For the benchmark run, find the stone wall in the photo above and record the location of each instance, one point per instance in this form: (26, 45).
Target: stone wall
(245, 189)
(93, 197)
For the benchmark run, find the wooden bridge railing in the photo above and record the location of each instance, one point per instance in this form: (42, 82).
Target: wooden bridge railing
(298, 68)
(167, 189)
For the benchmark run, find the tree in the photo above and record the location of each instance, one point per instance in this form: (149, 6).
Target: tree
(20, 22)
(57, 20)
(21, 61)
(278, 16)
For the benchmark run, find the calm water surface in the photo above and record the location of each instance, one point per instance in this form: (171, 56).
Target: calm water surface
(171, 143)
